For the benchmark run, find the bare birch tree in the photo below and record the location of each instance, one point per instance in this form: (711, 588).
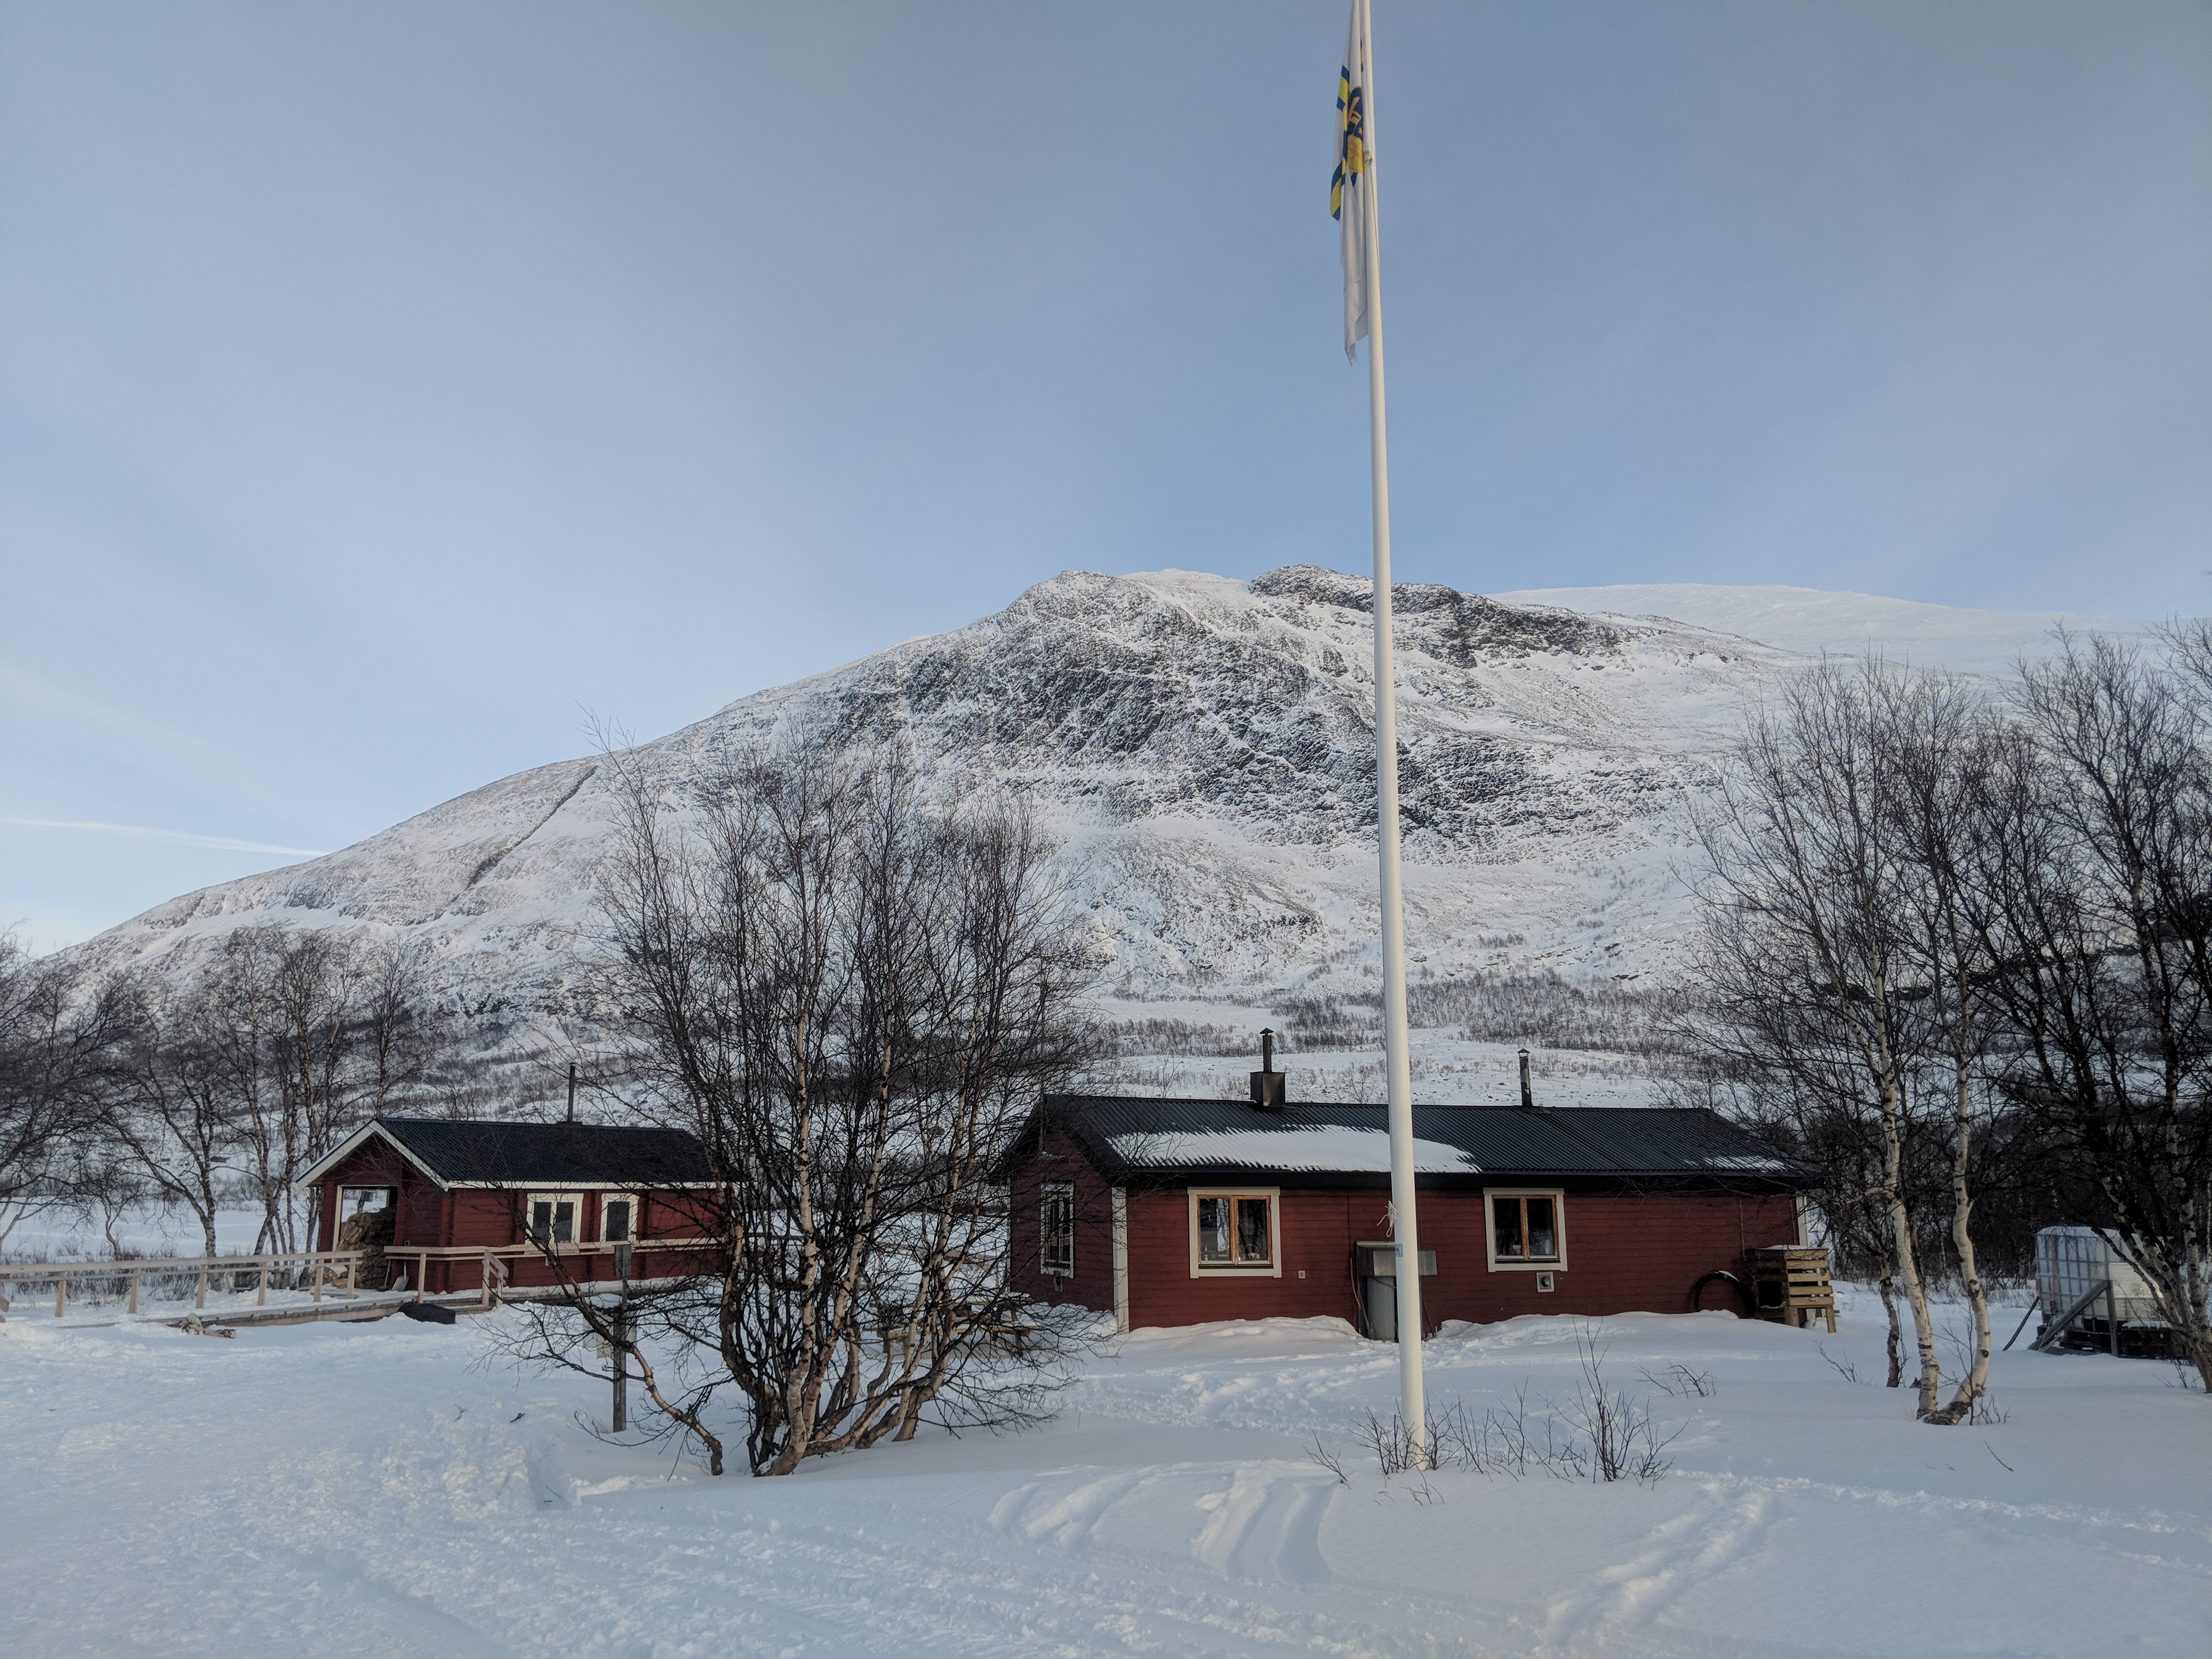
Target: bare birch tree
(2098, 863)
(290, 1042)
(2017, 901)
(853, 996)
(173, 1110)
(1943, 742)
(58, 1033)
(1803, 951)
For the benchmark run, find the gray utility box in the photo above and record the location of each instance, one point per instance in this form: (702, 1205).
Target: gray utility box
(1375, 1270)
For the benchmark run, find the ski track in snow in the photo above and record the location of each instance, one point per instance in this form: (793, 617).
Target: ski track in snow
(336, 1490)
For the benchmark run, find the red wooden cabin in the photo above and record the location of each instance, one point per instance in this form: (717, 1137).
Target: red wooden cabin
(1178, 1212)
(553, 1202)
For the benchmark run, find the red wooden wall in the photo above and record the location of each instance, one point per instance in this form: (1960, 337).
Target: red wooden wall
(1628, 1252)
(493, 1216)
(1092, 1285)
(421, 1202)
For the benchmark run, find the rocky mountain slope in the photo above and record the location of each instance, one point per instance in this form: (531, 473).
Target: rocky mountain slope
(1202, 745)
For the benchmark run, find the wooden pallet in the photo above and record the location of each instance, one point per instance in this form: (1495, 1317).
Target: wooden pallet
(1790, 1283)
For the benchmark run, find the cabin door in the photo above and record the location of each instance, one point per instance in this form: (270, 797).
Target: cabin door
(1379, 1297)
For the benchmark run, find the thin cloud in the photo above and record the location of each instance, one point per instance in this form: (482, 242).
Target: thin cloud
(182, 838)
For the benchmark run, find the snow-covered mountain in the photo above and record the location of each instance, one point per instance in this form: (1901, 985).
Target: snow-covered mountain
(1202, 744)
(1812, 621)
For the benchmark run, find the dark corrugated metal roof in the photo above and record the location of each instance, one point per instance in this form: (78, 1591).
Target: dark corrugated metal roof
(464, 1152)
(1124, 1135)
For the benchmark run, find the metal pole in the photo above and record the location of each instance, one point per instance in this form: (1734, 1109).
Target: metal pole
(622, 1367)
(1405, 1230)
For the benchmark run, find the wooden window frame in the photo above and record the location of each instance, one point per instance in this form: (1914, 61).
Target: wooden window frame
(551, 1195)
(1273, 1268)
(1048, 1191)
(1550, 1264)
(636, 1202)
(390, 1203)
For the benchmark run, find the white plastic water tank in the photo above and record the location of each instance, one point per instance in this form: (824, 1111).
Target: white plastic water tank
(2069, 1259)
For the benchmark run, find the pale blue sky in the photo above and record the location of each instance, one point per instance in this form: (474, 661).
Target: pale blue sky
(380, 384)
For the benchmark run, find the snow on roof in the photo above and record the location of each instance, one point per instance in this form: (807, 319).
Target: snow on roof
(1768, 1164)
(1161, 1136)
(1332, 1146)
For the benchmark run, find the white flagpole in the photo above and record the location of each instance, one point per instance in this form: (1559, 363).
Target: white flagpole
(1405, 1230)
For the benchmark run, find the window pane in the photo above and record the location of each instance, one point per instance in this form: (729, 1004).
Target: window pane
(564, 1222)
(618, 1221)
(1059, 1230)
(1213, 1230)
(1543, 1237)
(1252, 1229)
(541, 1218)
(1506, 1214)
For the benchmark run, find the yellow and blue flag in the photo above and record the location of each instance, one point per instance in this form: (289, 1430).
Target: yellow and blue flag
(1350, 192)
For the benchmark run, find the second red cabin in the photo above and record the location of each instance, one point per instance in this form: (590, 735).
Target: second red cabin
(548, 1203)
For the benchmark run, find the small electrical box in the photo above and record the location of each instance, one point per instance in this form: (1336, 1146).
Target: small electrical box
(1380, 1261)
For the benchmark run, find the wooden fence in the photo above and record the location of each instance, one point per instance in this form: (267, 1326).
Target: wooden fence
(320, 1268)
(494, 1257)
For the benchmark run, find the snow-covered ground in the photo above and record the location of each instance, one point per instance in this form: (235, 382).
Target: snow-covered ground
(393, 1489)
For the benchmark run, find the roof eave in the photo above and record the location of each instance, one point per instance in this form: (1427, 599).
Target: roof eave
(352, 1143)
(596, 1184)
(1434, 1180)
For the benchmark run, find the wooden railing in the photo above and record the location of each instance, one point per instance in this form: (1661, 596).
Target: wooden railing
(497, 1256)
(320, 1265)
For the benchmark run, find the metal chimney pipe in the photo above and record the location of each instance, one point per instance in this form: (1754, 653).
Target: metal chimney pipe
(571, 1091)
(1528, 1090)
(1268, 1082)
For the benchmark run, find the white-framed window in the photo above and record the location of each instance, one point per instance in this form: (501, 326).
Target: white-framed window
(1056, 1229)
(1235, 1231)
(550, 1218)
(363, 1200)
(1528, 1229)
(619, 1215)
